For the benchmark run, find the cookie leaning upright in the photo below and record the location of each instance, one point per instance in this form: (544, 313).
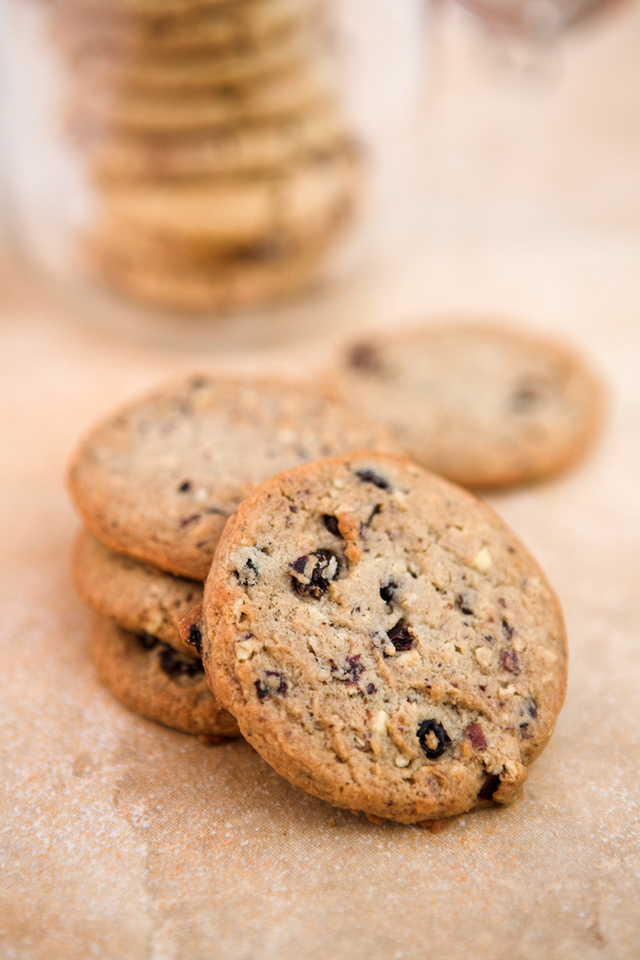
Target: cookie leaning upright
(158, 480)
(383, 639)
(484, 406)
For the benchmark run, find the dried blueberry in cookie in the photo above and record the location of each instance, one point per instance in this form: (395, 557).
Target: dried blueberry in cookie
(411, 665)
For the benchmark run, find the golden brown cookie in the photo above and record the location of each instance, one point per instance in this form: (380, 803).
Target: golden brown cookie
(212, 26)
(383, 639)
(101, 110)
(158, 480)
(137, 597)
(484, 406)
(247, 148)
(233, 213)
(155, 681)
(189, 70)
(175, 276)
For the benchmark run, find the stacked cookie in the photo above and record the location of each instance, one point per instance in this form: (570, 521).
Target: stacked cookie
(376, 632)
(222, 168)
(155, 486)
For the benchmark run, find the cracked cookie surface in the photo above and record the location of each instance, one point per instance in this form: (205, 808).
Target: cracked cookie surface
(383, 639)
(484, 406)
(155, 681)
(158, 480)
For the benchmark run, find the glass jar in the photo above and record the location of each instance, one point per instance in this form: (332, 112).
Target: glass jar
(176, 159)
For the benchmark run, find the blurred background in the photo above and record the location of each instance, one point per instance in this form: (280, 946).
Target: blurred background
(205, 172)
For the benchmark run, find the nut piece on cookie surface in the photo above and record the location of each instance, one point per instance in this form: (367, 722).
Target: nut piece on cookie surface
(413, 683)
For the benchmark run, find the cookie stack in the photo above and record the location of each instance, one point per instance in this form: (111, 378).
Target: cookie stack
(222, 168)
(155, 485)
(376, 632)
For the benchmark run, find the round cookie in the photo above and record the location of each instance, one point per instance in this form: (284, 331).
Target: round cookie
(158, 480)
(155, 681)
(146, 8)
(236, 212)
(212, 26)
(383, 639)
(281, 93)
(237, 149)
(190, 70)
(137, 597)
(481, 405)
(209, 285)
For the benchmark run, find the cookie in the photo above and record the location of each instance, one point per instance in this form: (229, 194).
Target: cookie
(147, 8)
(209, 283)
(235, 212)
(137, 597)
(210, 26)
(281, 93)
(158, 480)
(156, 682)
(481, 405)
(189, 70)
(383, 639)
(241, 148)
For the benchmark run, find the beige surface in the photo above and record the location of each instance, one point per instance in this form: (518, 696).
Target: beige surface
(119, 839)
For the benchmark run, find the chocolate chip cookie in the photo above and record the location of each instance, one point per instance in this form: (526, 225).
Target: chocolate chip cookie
(154, 680)
(158, 480)
(383, 639)
(483, 406)
(137, 597)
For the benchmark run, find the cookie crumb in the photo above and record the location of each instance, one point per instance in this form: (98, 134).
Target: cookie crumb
(372, 818)
(435, 826)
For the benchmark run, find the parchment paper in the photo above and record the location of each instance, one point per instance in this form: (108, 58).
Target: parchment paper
(122, 840)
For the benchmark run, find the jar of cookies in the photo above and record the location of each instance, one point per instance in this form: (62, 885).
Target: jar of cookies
(194, 158)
